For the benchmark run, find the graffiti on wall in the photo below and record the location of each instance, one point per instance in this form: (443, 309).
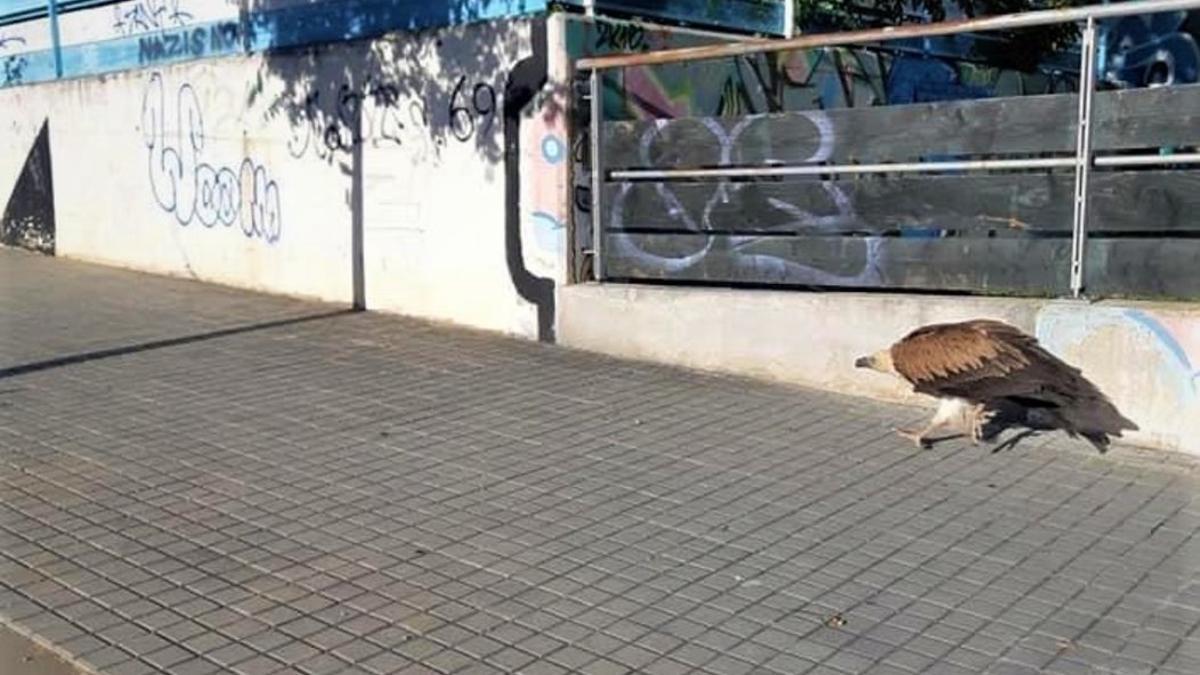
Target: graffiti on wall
(1179, 338)
(27, 219)
(544, 191)
(143, 16)
(326, 131)
(215, 39)
(1142, 51)
(819, 79)
(183, 181)
(813, 79)
(378, 113)
(1151, 50)
(12, 69)
(913, 79)
(625, 37)
(12, 66)
(739, 250)
(1156, 353)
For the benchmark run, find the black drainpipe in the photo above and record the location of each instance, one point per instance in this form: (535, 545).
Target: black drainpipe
(524, 82)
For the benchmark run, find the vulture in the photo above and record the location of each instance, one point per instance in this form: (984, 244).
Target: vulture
(976, 368)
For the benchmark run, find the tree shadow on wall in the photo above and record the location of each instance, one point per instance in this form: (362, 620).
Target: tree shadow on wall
(428, 87)
(420, 90)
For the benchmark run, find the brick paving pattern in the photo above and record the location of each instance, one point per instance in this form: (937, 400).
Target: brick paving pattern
(198, 480)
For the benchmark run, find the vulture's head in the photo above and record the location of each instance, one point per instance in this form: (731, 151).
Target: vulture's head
(880, 361)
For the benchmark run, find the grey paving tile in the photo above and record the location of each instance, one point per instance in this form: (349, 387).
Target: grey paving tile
(322, 664)
(195, 666)
(258, 665)
(365, 493)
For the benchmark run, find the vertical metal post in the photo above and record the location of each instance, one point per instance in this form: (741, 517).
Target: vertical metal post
(789, 19)
(52, 11)
(1083, 155)
(597, 110)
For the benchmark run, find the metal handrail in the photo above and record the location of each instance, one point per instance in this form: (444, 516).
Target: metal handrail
(1082, 160)
(831, 169)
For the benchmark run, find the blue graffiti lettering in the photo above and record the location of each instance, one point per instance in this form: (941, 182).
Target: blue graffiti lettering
(1152, 50)
(13, 69)
(189, 43)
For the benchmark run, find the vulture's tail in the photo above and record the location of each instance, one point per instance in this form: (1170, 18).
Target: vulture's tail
(1089, 413)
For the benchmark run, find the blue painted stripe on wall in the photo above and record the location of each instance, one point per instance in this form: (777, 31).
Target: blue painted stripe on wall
(27, 67)
(749, 16)
(1167, 340)
(290, 27)
(352, 19)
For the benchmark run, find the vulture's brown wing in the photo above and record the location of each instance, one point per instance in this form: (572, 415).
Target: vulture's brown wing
(978, 360)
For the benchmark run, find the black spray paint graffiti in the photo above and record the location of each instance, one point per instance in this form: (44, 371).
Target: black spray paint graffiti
(215, 39)
(144, 16)
(12, 68)
(194, 190)
(624, 38)
(324, 130)
(335, 131)
(482, 105)
(27, 220)
(740, 247)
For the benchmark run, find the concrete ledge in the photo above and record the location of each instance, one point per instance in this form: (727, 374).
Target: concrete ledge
(1143, 355)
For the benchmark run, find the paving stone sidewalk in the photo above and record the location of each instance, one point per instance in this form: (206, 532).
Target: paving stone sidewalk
(198, 480)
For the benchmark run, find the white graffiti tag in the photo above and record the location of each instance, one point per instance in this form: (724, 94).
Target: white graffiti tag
(194, 190)
(761, 265)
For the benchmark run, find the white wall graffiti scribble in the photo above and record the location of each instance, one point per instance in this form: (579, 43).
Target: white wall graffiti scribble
(186, 185)
(765, 265)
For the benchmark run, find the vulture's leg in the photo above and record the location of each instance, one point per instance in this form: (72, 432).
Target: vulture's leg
(947, 410)
(980, 416)
(917, 436)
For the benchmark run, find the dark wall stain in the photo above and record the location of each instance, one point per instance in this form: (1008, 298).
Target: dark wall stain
(524, 82)
(28, 219)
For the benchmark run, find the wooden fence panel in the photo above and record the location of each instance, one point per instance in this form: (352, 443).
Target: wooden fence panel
(1136, 118)
(1143, 268)
(999, 232)
(1017, 204)
(1031, 266)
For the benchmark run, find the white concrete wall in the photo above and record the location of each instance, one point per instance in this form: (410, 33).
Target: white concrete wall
(19, 38)
(167, 170)
(242, 171)
(1145, 356)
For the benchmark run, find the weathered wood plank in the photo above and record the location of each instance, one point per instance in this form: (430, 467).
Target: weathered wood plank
(1011, 204)
(1167, 116)
(1028, 266)
(1143, 268)
(1143, 118)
